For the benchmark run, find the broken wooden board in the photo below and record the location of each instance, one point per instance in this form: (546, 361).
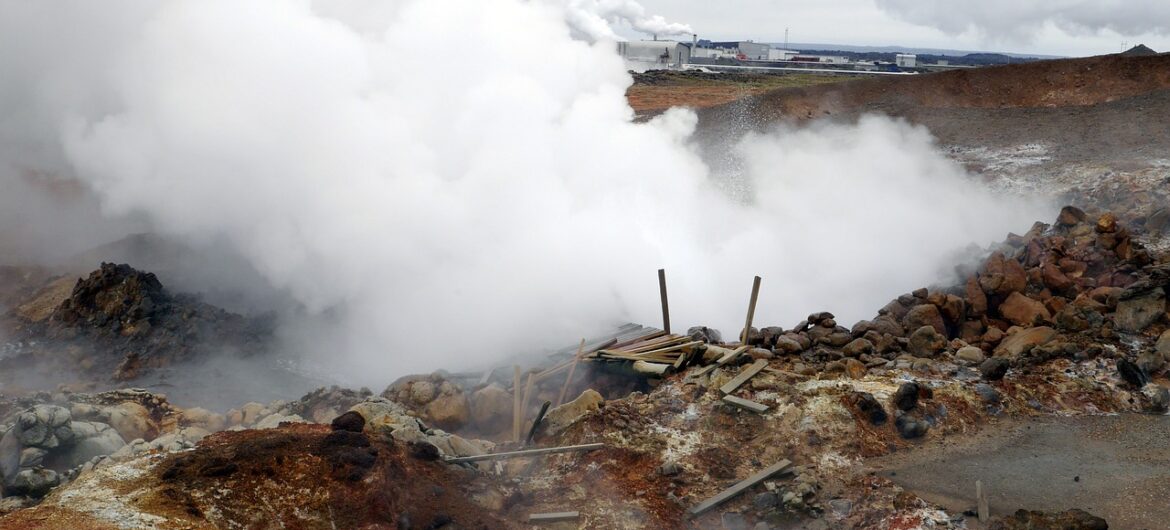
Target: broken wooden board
(731, 356)
(744, 375)
(525, 452)
(553, 517)
(746, 404)
(740, 487)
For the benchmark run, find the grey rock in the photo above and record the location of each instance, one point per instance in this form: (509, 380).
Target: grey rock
(734, 521)
(1159, 398)
(988, 394)
(926, 342)
(910, 426)
(970, 355)
(100, 440)
(906, 398)
(34, 482)
(32, 456)
(1137, 313)
(705, 334)
(765, 500)
(1131, 373)
(669, 469)
(994, 369)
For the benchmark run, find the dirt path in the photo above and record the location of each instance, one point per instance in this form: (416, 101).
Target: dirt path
(1115, 467)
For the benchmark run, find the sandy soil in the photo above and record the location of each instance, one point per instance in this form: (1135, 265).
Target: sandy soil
(1050, 464)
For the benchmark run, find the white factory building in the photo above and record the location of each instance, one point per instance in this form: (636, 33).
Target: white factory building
(906, 60)
(655, 53)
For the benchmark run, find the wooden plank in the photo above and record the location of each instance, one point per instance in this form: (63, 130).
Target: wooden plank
(751, 311)
(516, 403)
(744, 375)
(572, 370)
(731, 356)
(982, 509)
(553, 517)
(740, 487)
(646, 368)
(665, 304)
(745, 404)
(642, 334)
(526, 452)
(527, 393)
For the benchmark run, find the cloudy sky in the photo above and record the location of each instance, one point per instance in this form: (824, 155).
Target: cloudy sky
(1047, 27)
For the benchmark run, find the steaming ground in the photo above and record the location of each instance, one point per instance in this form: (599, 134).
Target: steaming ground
(424, 214)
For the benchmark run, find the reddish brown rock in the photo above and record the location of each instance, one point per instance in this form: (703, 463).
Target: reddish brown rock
(1002, 276)
(1070, 216)
(1024, 311)
(1107, 223)
(976, 298)
(925, 315)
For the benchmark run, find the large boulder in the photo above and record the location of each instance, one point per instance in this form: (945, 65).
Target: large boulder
(92, 439)
(1002, 276)
(449, 411)
(1025, 339)
(925, 315)
(1023, 311)
(926, 342)
(1138, 311)
(560, 418)
(491, 407)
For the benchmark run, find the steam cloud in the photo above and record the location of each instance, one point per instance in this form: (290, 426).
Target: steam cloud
(592, 19)
(448, 179)
(1018, 21)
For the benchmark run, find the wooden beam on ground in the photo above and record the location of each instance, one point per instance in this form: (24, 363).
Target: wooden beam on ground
(572, 370)
(744, 375)
(665, 304)
(553, 517)
(745, 404)
(655, 369)
(516, 403)
(740, 487)
(982, 509)
(751, 311)
(731, 356)
(526, 452)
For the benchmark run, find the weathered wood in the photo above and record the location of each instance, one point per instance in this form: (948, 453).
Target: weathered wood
(751, 311)
(644, 367)
(642, 335)
(740, 487)
(526, 452)
(731, 356)
(745, 404)
(536, 422)
(553, 517)
(572, 370)
(527, 393)
(516, 403)
(982, 508)
(665, 304)
(744, 375)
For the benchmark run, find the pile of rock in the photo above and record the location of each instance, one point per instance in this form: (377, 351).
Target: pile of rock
(122, 321)
(45, 445)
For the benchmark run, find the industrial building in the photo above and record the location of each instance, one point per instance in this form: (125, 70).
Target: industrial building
(906, 60)
(656, 53)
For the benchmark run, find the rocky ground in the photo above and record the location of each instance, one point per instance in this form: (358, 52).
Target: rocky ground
(883, 421)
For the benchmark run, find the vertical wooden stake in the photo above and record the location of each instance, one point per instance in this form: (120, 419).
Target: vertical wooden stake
(516, 403)
(743, 339)
(572, 368)
(524, 402)
(665, 304)
(981, 502)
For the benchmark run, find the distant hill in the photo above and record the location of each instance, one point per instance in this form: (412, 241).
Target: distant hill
(1141, 50)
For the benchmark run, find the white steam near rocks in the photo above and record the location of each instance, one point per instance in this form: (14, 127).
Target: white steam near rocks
(447, 180)
(1019, 21)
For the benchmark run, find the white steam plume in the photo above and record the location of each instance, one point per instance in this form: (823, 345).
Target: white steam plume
(1019, 21)
(466, 180)
(593, 19)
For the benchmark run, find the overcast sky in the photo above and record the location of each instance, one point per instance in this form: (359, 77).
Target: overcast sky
(1046, 27)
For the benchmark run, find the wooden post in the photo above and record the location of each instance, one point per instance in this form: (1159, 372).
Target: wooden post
(751, 311)
(524, 402)
(982, 508)
(665, 304)
(516, 403)
(572, 368)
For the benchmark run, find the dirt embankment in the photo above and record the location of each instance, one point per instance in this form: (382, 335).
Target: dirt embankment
(1058, 83)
